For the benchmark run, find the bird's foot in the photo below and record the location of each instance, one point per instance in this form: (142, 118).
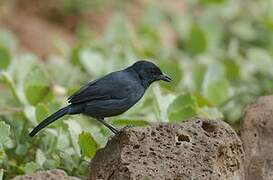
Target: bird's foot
(115, 131)
(127, 127)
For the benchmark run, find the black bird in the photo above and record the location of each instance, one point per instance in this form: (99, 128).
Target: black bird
(110, 95)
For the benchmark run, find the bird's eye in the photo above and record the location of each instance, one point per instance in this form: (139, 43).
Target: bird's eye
(154, 71)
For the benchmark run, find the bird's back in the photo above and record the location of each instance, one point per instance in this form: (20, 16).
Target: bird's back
(110, 95)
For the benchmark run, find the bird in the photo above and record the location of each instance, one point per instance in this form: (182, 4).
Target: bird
(110, 95)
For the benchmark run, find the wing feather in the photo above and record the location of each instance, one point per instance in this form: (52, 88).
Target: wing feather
(111, 86)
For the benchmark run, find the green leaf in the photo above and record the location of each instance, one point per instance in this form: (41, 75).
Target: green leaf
(71, 90)
(37, 76)
(41, 112)
(31, 167)
(197, 42)
(210, 113)
(1, 174)
(244, 30)
(217, 91)
(37, 86)
(75, 55)
(21, 149)
(4, 132)
(40, 157)
(7, 39)
(7, 79)
(132, 122)
(74, 129)
(232, 69)
(87, 144)
(51, 164)
(261, 59)
(201, 100)
(2, 154)
(182, 114)
(183, 107)
(92, 62)
(198, 73)
(38, 93)
(185, 99)
(5, 58)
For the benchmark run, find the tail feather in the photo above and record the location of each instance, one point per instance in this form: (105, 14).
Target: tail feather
(53, 117)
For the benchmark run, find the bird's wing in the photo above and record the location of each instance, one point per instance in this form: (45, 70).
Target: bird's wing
(112, 86)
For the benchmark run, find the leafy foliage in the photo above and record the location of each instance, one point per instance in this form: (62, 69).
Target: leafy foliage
(220, 61)
(5, 58)
(4, 132)
(88, 145)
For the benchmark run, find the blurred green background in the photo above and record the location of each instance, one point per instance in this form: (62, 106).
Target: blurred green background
(218, 52)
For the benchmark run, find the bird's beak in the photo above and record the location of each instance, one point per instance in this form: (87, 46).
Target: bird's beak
(165, 77)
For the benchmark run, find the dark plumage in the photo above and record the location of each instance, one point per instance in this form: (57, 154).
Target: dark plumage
(110, 95)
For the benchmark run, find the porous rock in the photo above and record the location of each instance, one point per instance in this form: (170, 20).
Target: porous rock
(197, 149)
(55, 174)
(257, 138)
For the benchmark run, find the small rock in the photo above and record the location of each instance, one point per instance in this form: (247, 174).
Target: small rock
(257, 137)
(54, 174)
(197, 149)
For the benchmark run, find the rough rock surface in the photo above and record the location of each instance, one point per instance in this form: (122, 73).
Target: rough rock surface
(55, 174)
(257, 137)
(197, 149)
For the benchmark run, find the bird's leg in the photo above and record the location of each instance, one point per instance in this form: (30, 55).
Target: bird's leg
(114, 130)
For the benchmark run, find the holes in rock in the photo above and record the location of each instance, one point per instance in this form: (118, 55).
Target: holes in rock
(182, 137)
(178, 143)
(153, 133)
(125, 169)
(177, 153)
(143, 134)
(151, 149)
(208, 127)
(136, 146)
(194, 133)
(220, 153)
(100, 176)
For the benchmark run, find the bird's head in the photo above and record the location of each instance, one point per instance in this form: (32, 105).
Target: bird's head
(149, 72)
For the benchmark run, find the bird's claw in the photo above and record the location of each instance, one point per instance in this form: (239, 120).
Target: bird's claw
(127, 126)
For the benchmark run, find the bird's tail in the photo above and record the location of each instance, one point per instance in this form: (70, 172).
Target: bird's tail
(53, 117)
